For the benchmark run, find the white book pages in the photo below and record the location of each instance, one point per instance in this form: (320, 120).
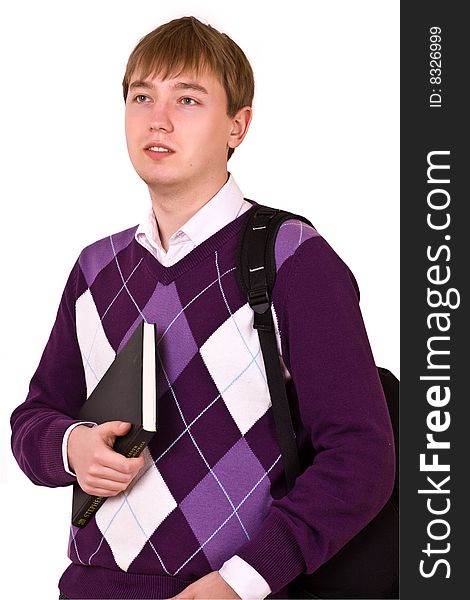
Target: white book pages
(149, 378)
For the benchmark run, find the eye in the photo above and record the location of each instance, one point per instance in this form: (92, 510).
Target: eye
(136, 99)
(187, 103)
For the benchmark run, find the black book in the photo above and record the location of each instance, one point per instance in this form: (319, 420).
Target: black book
(126, 392)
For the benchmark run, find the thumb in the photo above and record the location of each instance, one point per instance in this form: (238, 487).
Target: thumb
(111, 429)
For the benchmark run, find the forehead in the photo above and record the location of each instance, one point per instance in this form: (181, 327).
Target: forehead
(204, 81)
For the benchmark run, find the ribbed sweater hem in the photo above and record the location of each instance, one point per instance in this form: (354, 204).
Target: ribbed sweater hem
(97, 582)
(105, 584)
(274, 553)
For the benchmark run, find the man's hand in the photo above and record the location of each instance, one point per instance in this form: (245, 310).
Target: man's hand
(99, 469)
(212, 586)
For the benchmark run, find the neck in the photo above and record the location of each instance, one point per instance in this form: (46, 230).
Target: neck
(173, 208)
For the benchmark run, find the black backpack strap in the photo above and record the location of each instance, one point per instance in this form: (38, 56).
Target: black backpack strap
(256, 272)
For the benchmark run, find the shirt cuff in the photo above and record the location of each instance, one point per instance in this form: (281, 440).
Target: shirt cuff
(244, 579)
(65, 442)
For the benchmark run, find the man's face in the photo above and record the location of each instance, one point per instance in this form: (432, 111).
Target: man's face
(185, 114)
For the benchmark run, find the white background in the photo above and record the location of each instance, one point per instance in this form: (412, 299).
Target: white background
(323, 143)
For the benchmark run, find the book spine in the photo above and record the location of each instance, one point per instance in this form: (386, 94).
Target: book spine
(134, 446)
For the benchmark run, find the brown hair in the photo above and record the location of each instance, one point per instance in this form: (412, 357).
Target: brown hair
(187, 44)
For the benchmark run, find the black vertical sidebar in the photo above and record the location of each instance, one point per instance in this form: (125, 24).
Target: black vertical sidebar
(435, 357)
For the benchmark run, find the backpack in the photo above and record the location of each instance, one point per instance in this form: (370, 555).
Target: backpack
(367, 566)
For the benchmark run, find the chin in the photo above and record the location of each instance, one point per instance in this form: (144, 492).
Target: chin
(155, 181)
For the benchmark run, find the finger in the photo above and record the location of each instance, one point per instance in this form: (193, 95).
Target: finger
(112, 429)
(113, 460)
(109, 474)
(100, 490)
(96, 485)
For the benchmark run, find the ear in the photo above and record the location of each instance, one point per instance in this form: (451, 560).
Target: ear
(240, 124)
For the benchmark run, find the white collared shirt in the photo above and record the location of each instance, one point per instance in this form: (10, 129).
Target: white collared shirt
(227, 204)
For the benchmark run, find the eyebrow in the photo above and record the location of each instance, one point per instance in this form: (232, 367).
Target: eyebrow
(180, 85)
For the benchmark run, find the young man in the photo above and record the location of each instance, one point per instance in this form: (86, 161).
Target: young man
(203, 513)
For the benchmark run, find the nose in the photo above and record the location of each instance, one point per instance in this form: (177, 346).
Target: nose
(160, 117)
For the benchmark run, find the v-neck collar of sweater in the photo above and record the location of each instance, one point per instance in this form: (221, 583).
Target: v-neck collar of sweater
(167, 275)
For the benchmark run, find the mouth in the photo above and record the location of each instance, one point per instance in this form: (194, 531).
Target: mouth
(158, 152)
(159, 148)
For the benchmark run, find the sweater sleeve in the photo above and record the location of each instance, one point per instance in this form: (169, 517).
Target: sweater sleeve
(56, 392)
(343, 410)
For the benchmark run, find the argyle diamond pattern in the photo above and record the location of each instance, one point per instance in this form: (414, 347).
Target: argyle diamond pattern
(203, 481)
(243, 373)
(125, 521)
(97, 353)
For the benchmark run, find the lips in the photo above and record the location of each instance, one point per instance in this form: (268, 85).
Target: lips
(158, 145)
(158, 155)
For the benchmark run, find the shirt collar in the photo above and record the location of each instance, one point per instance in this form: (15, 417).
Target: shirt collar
(220, 210)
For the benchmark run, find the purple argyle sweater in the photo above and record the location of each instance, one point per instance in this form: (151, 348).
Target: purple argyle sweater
(213, 482)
